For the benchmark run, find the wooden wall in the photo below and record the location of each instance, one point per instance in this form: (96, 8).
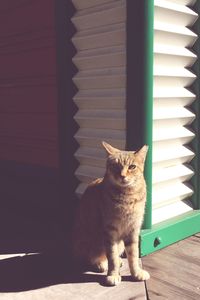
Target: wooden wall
(28, 93)
(32, 81)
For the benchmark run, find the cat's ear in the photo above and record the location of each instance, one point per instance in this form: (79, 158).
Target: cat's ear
(142, 153)
(110, 149)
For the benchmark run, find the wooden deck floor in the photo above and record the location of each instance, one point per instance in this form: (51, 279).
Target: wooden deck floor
(36, 277)
(175, 274)
(175, 271)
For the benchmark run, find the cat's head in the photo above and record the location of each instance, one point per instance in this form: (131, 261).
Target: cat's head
(124, 168)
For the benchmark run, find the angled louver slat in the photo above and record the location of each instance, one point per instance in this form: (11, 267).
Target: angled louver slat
(97, 79)
(173, 13)
(174, 172)
(170, 192)
(93, 137)
(181, 37)
(183, 2)
(87, 4)
(100, 16)
(88, 173)
(174, 92)
(91, 156)
(101, 98)
(169, 211)
(100, 58)
(176, 133)
(173, 57)
(108, 36)
(101, 119)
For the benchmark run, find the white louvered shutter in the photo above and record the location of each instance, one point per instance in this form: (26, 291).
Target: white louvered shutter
(171, 115)
(101, 81)
(100, 42)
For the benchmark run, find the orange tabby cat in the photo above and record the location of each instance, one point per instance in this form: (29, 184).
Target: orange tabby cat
(110, 215)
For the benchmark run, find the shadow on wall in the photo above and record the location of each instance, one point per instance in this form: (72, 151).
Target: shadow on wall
(37, 202)
(34, 218)
(29, 207)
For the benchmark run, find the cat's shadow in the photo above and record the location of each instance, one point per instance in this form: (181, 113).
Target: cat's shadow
(23, 273)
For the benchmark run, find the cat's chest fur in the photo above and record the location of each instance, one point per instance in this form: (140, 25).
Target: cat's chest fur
(123, 209)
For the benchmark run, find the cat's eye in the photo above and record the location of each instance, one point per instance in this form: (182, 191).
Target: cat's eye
(132, 167)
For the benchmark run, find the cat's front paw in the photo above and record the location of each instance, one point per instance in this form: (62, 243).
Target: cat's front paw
(141, 275)
(112, 280)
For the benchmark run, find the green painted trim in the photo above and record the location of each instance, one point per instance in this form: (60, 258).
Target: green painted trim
(169, 232)
(195, 145)
(148, 134)
(139, 85)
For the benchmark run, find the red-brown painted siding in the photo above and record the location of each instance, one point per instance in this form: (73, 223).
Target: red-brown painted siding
(28, 87)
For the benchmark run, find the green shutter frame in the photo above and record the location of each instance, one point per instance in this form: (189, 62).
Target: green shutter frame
(160, 235)
(139, 89)
(196, 108)
(149, 17)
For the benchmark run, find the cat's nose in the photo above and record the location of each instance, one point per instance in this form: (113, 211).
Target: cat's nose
(123, 174)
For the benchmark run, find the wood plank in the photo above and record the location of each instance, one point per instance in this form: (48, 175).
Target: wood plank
(175, 271)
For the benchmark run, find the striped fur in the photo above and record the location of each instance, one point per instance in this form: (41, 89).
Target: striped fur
(110, 215)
